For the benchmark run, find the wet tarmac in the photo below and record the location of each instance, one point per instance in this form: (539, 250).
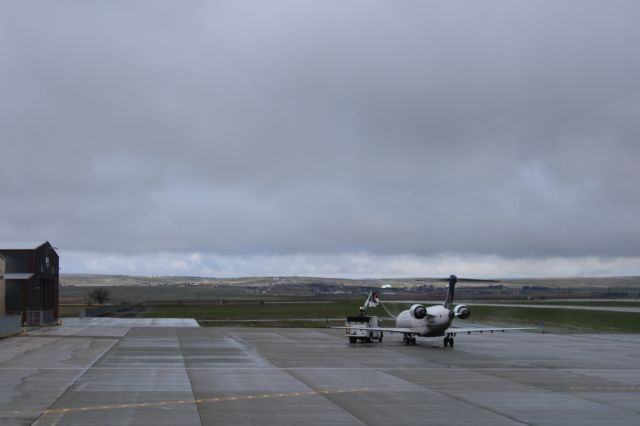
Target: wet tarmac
(176, 375)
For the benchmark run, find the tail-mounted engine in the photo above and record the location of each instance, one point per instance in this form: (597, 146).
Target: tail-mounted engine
(462, 311)
(418, 311)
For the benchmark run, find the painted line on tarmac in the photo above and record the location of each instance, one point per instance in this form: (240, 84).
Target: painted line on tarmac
(606, 388)
(230, 366)
(58, 411)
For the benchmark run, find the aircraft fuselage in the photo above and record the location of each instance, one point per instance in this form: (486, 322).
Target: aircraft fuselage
(435, 324)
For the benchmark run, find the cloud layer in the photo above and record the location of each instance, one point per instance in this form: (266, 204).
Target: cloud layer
(262, 130)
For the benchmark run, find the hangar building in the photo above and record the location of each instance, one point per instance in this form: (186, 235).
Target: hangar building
(31, 281)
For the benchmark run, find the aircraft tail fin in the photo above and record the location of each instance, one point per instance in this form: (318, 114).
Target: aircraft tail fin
(452, 285)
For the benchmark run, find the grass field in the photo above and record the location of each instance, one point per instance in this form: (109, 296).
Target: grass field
(560, 319)
(316, 314)
(605, 303)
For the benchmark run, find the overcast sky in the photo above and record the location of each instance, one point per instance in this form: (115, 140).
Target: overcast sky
(336, 138)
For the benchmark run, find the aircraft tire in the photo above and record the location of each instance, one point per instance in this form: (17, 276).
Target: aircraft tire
(451, 341)
(353, 340)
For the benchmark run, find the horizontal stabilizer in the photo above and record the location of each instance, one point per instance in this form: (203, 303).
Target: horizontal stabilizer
(460, 280)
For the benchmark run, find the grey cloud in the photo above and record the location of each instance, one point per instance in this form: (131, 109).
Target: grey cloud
(481, 128)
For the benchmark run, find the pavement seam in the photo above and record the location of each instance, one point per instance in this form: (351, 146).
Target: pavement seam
(573, 395)
(41, 419)
(323, 394)
(454, 397)
(187, 372)
(327, 397)
(473, 404)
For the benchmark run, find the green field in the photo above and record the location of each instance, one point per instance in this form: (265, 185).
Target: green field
(316, 314)
(554, 319)
(604, 303)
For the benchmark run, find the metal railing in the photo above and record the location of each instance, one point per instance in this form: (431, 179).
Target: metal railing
(38, 317)
(31, 318)
(10, 325)
(103, 310)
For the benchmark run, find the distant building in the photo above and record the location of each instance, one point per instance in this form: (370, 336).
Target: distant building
(31, 281)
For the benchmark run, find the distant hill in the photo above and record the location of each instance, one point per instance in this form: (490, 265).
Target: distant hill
(89, 280)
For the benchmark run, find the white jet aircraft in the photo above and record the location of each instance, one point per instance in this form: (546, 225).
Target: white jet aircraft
(432, 321)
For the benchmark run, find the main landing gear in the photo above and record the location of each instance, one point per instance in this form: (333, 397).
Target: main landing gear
(409, 340)
(448, 341)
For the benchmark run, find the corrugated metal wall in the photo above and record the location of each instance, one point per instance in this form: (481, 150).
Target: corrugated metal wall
(10, 325)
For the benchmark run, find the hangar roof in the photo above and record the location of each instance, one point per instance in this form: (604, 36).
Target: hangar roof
(21, 245)
(18, 276)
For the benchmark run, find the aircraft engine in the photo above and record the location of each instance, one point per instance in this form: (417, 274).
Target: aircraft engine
(418, 311)
(462, 311)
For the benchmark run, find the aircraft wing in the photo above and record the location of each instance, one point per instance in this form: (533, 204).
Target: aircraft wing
(385, 329)
(482, 330)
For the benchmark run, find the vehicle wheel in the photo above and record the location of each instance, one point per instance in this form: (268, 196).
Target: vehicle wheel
(413, 341)
(451, 342)
(446, 342)
(352, 340)
(380, 338)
